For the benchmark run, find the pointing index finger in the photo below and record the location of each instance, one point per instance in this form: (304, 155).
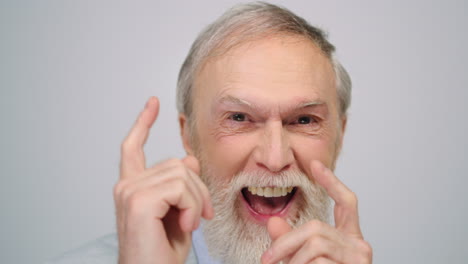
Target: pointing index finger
(345, 211)
(132, 156)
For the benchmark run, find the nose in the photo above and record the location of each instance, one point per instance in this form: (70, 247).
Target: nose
(274, 152)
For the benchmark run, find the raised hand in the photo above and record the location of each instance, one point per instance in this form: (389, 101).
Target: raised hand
(157, 208)
(318, 242)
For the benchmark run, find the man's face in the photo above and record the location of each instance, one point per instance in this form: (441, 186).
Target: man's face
(265, 108)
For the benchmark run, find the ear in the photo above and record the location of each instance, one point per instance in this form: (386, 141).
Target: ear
(185, 134)
(343, 121)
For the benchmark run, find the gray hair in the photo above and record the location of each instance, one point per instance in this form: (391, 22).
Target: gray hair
(245, 22)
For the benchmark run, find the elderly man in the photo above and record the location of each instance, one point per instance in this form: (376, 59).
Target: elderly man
(262, 103)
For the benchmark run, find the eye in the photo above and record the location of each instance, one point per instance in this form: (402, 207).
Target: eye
(305, 123)
(239, 117)
(304, 120)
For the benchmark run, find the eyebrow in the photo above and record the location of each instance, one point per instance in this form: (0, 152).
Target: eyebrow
(310, 104)
(229, 99)
(234, 100)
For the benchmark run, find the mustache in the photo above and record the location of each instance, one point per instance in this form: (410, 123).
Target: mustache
(293, 178)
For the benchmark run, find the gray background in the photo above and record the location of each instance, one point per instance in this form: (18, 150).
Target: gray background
(74, 75)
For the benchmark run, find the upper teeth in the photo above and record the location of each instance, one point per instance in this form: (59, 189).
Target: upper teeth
(270, 191)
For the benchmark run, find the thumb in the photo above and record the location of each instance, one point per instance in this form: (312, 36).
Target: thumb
(192, 163)
(277, 227)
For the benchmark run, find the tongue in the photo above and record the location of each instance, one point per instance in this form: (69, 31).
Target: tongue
(266, 206)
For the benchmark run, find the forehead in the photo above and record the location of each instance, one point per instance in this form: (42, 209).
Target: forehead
(272, 70)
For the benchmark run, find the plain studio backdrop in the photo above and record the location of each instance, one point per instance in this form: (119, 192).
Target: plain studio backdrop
(75, 74)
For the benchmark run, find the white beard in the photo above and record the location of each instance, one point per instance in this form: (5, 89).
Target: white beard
(232, 239)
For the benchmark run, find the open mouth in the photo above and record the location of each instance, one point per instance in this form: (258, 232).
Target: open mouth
(268, 201)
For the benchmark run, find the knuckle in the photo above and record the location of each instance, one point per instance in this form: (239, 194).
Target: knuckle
(180, 185)
(126, 192)
(118, 188)
(135, 203)
(363, 252)
(366, 251)
(176, 177)
(314, 226)
(315, 243)
(125, 146)
(181, 171)
(174, 162)
(361, 259)
(351, 198)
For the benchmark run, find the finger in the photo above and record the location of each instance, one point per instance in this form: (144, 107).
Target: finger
(165, 171)
(192, 163)
(198, 198)
(165, 176)
(202, 193)
(123, 189)
(208, 210)
(321, 260)
(132, 156)
(158, 199)
(317, 248)
(277, 227)
(346, 213)
(290, 242)
(190, 209)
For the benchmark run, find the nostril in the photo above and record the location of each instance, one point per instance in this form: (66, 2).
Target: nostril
(261, 165)
(272, 168)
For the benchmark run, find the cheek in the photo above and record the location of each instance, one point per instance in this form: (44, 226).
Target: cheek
(227, 155)
(308, 149)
